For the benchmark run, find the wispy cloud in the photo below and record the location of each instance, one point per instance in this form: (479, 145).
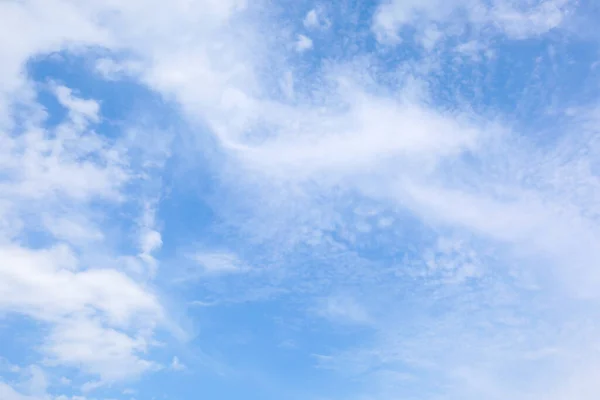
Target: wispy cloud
(176, 365)
(424, 182)
(218, 263)
(303, 43)
(514, 20)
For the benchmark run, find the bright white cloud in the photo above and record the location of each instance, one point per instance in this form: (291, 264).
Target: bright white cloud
(60, 172)
(81, 307)
(46, 284)
(368, 133)
(99, 319)
(110, 354)
(80, 110)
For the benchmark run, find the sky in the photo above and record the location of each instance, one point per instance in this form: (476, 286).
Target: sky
(267, 199)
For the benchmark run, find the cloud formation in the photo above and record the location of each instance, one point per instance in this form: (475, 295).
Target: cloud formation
(405, 190)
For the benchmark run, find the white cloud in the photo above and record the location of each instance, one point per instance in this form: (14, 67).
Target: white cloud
(105, 352)
(370, 132)
(63, 397)
(473, 49)
(111, 69)
(311, 19)
(303, 43)
(99, 319)
(287, 85)
(512, 19)
(8, 393)
(34, 172)
(316, 19)
(90, 386)
(176, 365)
(345, 309)
(453, 261)
(47, 284)
(62, 23)
(80, 110)
(38, 382)
(150, 239)
(535, 226)
(430, 38)
(7, 366)
(33, 385)
(81, 307)
(59, 172)
(215, 263)
(523, 22)
(64, 380)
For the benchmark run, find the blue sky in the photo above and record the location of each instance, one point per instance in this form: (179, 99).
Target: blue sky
(353, 200)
